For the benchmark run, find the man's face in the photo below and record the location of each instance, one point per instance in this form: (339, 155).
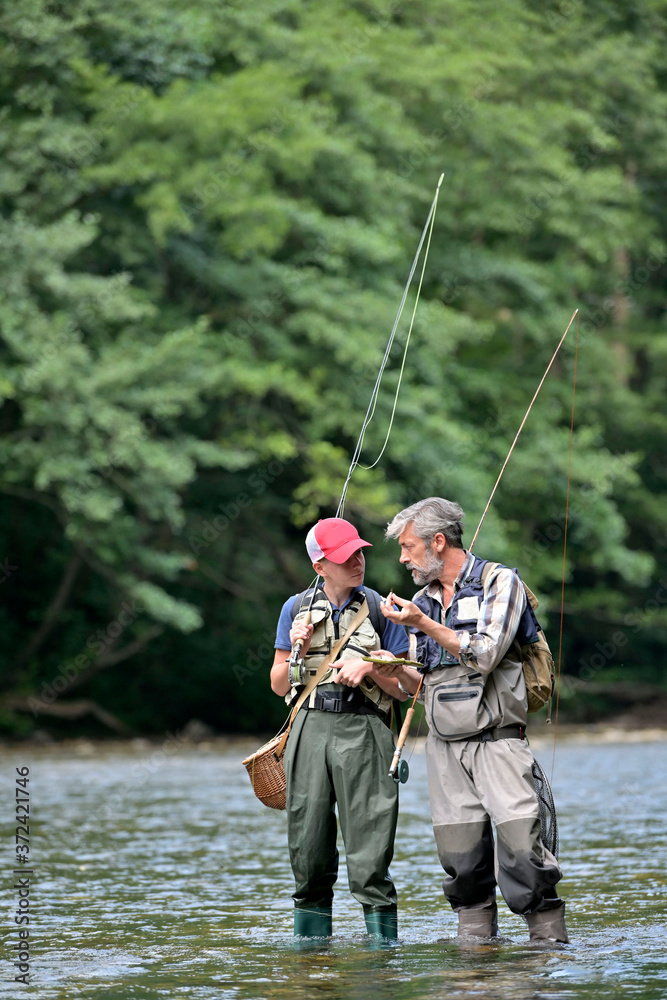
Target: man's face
(347, 574)
(424, 564)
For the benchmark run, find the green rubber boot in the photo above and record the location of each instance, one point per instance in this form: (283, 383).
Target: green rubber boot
(382, 923)
(313, 922)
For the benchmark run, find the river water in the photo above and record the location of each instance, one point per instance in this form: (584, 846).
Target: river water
(158, 874)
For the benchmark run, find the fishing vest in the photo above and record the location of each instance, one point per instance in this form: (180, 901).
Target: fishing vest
(326, 632)
(459, 700)
(463, 615)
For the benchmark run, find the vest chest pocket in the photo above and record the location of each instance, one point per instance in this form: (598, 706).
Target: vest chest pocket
(362, 642)
(322, 639)
(466, 625)
(455, 703)
(318, 619)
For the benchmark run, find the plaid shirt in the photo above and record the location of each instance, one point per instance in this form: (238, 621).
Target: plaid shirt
(499, 615)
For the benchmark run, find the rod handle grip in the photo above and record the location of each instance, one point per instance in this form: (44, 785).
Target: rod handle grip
(402, 737)
(296, 651)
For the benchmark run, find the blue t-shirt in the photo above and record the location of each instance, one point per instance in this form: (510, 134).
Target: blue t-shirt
(395, 638)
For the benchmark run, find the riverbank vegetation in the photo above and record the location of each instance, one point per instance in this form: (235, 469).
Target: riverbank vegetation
(208, 216)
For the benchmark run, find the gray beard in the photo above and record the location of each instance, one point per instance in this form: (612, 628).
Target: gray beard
(430, 570)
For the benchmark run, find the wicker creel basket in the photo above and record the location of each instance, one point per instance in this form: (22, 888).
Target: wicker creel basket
(267, 774)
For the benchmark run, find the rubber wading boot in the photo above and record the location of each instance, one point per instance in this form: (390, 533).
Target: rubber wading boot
(382, 923)
(548, 925)
(480, 920)
(312, 922)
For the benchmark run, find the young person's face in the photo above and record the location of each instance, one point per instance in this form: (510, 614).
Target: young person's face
(347, 574)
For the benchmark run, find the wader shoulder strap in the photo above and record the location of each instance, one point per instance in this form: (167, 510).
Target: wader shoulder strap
(321, 671)
(488, 569)
(301, 600)
(378, 620)
(530, 596)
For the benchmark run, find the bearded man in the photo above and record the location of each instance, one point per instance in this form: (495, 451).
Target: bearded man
(479, 764)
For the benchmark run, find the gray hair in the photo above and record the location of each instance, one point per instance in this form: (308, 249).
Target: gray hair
(428, 517)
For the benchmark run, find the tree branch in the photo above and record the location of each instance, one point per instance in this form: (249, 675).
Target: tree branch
(222, 581)
(25, 494)
(294, 577)
(67, 710)
(110, 659)
(51, 614)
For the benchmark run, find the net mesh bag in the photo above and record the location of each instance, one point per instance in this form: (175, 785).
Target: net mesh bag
(548, 820)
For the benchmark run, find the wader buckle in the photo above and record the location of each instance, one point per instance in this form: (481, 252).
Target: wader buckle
(329, 702)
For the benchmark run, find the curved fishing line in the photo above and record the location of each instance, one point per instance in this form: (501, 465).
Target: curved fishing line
(562, 589)
(500, 476)
(374, 395)
(415, 738)
(407, 339)
(371, 406)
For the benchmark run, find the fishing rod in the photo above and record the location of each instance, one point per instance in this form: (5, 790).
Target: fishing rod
(295, 659)
(399, 769)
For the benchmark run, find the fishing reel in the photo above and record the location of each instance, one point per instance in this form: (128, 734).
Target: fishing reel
(401, 773)
(295, 665)
(296, 659)
(399, 770)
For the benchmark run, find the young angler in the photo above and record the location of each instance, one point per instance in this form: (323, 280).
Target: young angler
(479, 764)
(340, 747)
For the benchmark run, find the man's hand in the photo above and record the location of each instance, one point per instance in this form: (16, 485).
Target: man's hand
(387, 669)
(352, 673)
(408, 613)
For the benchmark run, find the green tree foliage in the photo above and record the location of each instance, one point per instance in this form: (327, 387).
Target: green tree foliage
(208, 215)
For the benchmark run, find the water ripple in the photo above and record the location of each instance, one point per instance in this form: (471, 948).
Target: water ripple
(171, 880)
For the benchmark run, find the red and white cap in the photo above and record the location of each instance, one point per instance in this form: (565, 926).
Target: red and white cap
(335, 539)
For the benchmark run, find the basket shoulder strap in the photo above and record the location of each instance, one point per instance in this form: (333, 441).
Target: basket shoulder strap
(321, 671)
